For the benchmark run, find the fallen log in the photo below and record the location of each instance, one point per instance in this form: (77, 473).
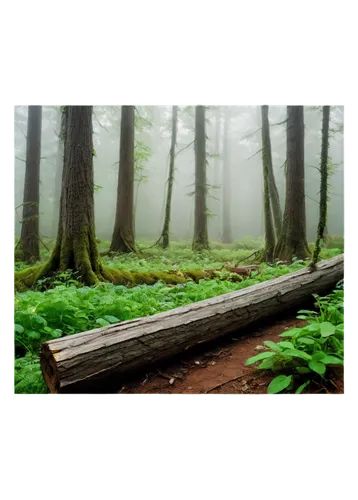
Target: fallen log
(88, 361)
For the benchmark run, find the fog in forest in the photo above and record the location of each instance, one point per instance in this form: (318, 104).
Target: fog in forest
(233, 150)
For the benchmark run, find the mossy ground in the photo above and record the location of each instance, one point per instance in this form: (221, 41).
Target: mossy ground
(174, 265)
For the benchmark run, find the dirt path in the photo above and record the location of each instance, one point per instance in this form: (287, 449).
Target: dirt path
(220, 368)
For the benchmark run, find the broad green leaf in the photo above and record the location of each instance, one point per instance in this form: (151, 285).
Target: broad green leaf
(272, 345)
(286, 344)
(102, 322)
(302, 369)
(318, 356)
(291, 332)
(258, 357)
(296, 353)
(317, 367)
(306, 340)
(19, 329)
(111, 319)
(33, 335)
(279, 383)
(57, 333)
(313, 327)
(331, 360)
(306, 311)
(327, 329)
(301, 387)
(39, 320)
(267, 363)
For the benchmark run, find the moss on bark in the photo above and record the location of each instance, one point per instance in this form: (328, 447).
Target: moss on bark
(27, 278)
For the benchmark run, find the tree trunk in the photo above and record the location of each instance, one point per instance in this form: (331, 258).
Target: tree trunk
(217, 176)
(292, 241)
(29, 244)
(200, 240)
(95, 361)
(266, 160)
(165, 232)
(76, 247)
(274, 197)
(322, 224)
(123, 233)
(61, 126)
(226, 182)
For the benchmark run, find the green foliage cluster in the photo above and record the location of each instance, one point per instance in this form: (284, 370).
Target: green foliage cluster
(309, 352)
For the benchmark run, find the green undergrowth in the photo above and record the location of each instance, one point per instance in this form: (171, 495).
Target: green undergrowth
(306, 356)
(69, 307)
(179, 256)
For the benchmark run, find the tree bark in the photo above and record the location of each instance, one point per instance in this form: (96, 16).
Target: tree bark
(123, 234)
(29, 244)
(165, 231)
(217, 176)
(93, 361)
(61, 126)
(75, 247)
(200, 240)
(322, 224)
(226, 182)
(266, 159)
(292, 241)
(274, 196)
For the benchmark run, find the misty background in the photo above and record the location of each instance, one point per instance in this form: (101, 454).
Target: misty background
(152, 144)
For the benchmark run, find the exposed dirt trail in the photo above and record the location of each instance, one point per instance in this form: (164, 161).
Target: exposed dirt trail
(220, 367)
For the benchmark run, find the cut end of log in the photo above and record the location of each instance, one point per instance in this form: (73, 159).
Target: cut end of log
(49, 369)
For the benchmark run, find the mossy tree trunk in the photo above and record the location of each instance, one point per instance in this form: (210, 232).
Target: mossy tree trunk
(200, 240)
(273, 192)
(75, 246)
(60, 130)
(292, 240)
(226, 183)
(322, 223)
(123, 234)
(266, 159)
(29, 244)
(165, 232)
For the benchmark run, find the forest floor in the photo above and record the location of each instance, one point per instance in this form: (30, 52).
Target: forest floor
(219, 368)
(62, 306)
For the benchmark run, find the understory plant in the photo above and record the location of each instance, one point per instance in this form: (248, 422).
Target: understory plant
(307, 354)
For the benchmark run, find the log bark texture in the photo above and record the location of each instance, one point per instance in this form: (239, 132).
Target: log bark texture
(94, 360)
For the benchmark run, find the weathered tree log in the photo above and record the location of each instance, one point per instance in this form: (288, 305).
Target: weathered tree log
(86, 362)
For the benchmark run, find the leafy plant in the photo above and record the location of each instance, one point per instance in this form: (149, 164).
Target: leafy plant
(310, 351)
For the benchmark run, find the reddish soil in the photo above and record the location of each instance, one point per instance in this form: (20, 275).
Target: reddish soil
(220, 368)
